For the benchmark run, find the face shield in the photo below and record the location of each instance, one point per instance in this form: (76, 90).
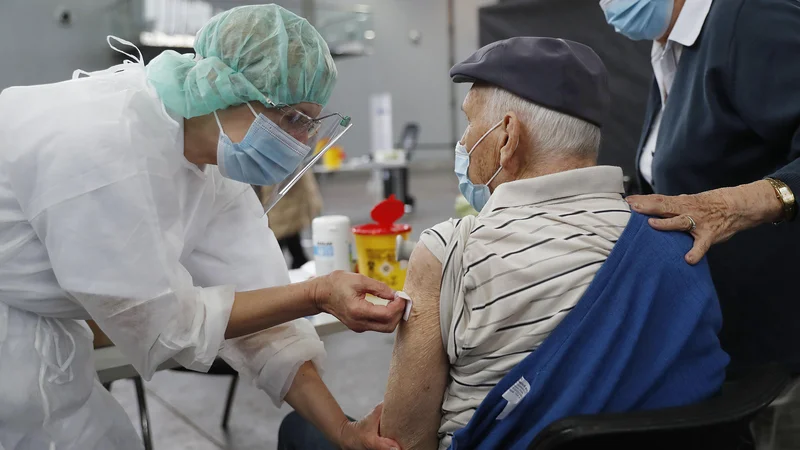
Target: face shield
(320, 134)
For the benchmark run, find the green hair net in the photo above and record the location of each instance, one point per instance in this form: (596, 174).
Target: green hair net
(248, 53)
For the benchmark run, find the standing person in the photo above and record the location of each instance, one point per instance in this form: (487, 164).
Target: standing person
(125, 199)
(293, 214)
(720, 145)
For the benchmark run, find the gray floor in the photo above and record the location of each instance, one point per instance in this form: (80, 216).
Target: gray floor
(186, 409)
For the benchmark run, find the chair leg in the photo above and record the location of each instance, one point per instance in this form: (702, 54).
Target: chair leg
(144, 416)
(229, 402)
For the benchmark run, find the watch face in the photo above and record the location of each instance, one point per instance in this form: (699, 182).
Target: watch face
(786, 197)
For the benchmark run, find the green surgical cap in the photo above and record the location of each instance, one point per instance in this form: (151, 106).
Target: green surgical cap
(248, 53)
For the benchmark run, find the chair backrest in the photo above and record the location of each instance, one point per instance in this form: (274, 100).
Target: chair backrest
(721, 422)
(409, 138)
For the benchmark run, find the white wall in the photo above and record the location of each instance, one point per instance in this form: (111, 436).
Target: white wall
(467, 41)
(415, 75)
(35, 49)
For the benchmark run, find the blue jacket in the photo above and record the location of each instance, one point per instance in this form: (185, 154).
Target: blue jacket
(643, 336)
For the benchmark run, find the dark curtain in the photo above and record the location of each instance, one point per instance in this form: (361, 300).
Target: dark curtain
(628, 62)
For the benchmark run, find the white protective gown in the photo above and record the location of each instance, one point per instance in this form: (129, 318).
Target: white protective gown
(102, 217)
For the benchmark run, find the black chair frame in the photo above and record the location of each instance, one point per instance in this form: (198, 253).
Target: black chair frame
(719, 423)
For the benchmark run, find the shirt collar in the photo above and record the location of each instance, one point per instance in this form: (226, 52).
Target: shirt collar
(690, 22)
(531, 191)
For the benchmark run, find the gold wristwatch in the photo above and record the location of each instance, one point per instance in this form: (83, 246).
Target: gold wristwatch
(787, 199)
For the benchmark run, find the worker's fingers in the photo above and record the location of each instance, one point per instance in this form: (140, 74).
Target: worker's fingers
(379, 327)
(655, 205)
(384, 315)
(371, 426)
(700, 248)
(381, 313)
(372, 420)
(379, 443)
(367, 285)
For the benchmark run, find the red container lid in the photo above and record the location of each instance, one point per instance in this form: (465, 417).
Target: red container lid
(385, 214)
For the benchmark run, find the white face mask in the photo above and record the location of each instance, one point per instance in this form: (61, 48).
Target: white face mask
(476, 194)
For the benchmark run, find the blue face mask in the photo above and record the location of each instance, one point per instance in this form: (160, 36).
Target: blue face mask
(639, 19)
(476, 194)
(266, 155)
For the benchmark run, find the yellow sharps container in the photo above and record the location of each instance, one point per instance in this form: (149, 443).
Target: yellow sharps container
(376, 242)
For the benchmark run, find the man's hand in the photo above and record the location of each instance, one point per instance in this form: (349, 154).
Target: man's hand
(343, 294)
(363, 435)
(717, 214)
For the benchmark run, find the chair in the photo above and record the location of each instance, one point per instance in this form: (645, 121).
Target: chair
(719, 423)
(220, 367)
(144, 414)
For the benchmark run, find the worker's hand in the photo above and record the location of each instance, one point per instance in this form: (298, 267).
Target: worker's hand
(343, 294)
(717, 214)
(363, 435)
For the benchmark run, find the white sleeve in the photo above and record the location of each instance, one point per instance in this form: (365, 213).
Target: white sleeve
(113, 233)
(438, 237)
(239, 248)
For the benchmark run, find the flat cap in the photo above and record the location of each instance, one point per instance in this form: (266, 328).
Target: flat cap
(558, 74)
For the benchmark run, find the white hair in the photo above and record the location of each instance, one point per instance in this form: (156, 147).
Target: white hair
(550, 131)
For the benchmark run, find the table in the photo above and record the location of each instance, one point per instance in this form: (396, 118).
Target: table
(395, 183)
(111, 364)
(361, 166)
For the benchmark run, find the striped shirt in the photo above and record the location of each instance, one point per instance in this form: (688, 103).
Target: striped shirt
(524, 263)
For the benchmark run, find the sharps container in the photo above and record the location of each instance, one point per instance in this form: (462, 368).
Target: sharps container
(333, 242)
(376, 244)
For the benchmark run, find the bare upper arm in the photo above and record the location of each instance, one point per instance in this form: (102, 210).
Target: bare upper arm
(418, 374)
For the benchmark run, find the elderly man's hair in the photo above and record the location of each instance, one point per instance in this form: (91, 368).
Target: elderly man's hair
(550, 131)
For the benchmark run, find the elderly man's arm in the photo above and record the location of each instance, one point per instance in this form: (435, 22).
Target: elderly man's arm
(418, 375)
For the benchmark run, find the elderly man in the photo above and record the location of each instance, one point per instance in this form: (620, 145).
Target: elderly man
(555, 299)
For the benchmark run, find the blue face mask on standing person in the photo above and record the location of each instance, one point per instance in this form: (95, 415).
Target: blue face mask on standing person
(639, 19)
(476, 194)
(266, 155)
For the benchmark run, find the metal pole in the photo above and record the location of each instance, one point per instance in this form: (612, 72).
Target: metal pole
(144, 415)
(451, 48)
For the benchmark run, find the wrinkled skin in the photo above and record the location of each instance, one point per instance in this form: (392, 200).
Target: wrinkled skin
(718, 214)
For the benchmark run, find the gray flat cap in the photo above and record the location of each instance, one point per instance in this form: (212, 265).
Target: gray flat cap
(562, 75)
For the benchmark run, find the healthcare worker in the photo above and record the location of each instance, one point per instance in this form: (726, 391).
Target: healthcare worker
(124, 198)
(720, 145)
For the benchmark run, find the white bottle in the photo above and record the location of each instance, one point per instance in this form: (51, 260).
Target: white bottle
(333, 237)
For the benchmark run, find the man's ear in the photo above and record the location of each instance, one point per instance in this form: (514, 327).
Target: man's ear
(509, 158)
